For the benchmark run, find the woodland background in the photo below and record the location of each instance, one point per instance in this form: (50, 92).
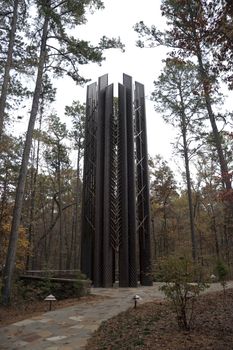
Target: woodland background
(41, 188)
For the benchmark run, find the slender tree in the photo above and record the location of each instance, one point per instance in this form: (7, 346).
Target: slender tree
(57, 158)
(163, 190)
(177, 96)
(60, 53)
(219, 35)
(9, 167)
(47, 97)
(13, 16)
(208, 193)
(8, 64)
(188, 36)
(77, 112)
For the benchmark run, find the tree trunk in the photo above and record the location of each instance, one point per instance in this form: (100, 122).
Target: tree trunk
(190, 201)
(217, 139)
(188, 178)
(165, 230)
(77, 218)
(206, 89)
(154, 240)
(61, 223)
(11, 253)
(214, 229)
(3, 207)
(6, 77)
(31, 228)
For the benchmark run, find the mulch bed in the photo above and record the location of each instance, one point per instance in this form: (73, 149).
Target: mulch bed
(153, 326)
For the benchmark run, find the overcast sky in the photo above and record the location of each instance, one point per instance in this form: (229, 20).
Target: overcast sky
(144, 65)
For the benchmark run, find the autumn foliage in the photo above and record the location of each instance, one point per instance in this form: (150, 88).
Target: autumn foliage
(22, 248)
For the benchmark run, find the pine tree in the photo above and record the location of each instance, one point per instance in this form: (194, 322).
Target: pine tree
(61, 53)
(187, 36)
(13, 15)
(177, 96)
(77, 112)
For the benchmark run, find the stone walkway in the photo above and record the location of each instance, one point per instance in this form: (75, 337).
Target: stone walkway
(69, 328)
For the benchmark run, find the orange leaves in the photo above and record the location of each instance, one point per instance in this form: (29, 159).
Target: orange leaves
(226, 196)
(22, 248)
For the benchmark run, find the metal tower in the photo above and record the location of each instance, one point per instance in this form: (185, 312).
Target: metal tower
(115, 242)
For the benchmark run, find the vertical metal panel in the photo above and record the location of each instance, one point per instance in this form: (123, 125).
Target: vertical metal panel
(127, 82)
(107, 248)
(140, 209)
(98, 263)
(89, 176)
(143, 198)
(114, 194)
(103, 82)
(123, 189)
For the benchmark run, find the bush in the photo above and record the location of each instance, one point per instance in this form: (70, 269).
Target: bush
(222, 273)
(179, 275)
(39, 289)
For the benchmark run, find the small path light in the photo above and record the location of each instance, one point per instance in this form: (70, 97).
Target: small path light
(50, 298)
(136, 298)
(213, 278)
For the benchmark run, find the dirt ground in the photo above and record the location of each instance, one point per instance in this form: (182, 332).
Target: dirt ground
(153, 326)
(150, 326)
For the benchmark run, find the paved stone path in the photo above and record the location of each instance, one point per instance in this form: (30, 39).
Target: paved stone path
(69, 328)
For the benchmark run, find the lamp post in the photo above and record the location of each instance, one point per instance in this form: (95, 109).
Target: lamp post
(50, 298)
(136, 298)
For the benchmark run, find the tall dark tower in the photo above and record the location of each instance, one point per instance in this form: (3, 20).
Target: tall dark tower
(115, 242)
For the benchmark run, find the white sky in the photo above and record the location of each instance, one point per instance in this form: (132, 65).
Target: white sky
(144, 65)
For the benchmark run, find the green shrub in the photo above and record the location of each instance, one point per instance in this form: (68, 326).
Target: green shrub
(61, 290)
(179, 275)
(30, 290)
(80, 276)
(222, 273)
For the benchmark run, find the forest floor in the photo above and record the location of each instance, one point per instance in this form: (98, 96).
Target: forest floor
(153, 326)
